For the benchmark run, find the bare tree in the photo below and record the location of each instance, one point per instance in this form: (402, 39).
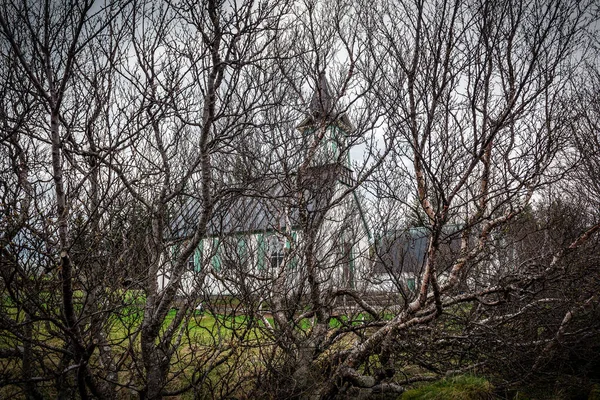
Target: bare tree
(189, 98)
(474, 91)
(48, 53)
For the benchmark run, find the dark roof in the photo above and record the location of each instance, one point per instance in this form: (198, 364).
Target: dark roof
(322, 108)
(321, 104)
(406, 251)
(402, 252)
(265, 205)
(249, 210)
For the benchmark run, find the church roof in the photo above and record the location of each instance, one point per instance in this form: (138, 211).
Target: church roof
(321, 103)
(250, 211)
(265, 205)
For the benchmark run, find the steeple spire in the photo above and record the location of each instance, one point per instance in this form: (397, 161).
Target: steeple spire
(322, 108)
(321, 104)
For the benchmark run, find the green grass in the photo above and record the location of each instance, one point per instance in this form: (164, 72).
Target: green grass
(204, 331)
(465, 387)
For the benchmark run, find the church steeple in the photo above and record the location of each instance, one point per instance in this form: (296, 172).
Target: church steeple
(325, 133)
(327, 127)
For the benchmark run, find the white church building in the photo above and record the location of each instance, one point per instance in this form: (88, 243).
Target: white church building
(259, 242)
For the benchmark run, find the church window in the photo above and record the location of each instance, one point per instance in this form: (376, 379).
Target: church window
(347, 265)
(276, 252)
(216, 259)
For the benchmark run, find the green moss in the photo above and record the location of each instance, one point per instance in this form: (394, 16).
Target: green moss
(464, 387)
(594, 393)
